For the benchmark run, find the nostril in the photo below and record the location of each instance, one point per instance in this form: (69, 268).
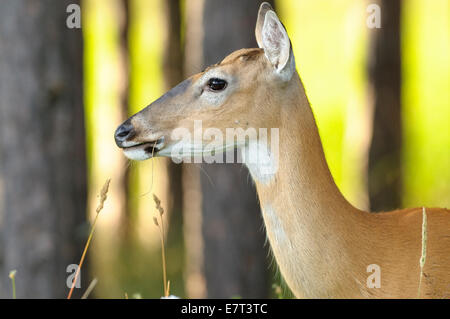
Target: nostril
(124, 132)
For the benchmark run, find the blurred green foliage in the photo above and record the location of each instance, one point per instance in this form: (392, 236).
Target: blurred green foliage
(426, 103)
(330, 40)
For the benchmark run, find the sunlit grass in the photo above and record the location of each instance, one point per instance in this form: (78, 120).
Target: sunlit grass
(12, 276)
(102, 198)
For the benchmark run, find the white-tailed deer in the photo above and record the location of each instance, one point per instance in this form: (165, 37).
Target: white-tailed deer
(323, 245)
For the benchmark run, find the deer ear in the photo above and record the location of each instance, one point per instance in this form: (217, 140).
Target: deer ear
(272, 37)
(263, 8)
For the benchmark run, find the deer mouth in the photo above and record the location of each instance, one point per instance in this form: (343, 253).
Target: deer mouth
(144, 150)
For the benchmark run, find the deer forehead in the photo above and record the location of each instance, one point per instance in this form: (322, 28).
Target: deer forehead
(232, 64)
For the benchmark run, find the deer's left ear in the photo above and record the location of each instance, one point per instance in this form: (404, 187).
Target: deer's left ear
(272, 37)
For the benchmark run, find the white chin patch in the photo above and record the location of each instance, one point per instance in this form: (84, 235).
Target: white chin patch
(137, 154)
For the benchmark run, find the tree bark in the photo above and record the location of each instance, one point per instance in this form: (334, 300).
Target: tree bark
(124, 13)
(235, 261)
(173, 74)
(385, 178)
(42, 147)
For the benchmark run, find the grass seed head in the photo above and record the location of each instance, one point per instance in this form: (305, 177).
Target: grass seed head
(157, 201)
(12, 274)
(103, 195)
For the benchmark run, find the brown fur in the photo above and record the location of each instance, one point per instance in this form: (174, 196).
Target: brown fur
(322, 243)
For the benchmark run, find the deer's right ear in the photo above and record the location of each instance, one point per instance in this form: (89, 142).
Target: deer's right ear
(263, 8)
(272, 37)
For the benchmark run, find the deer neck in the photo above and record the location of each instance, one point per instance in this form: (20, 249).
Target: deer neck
(309, 224)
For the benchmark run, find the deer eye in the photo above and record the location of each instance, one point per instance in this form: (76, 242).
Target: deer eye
(216, 84)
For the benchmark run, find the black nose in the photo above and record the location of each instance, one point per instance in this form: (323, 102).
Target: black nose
(123, 133)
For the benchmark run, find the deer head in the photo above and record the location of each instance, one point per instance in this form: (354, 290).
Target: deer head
(245, 90)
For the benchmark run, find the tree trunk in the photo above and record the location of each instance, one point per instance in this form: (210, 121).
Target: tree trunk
(385, 179)
(42, 147)
(173, 74)
(233, 254)
(124, 13)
